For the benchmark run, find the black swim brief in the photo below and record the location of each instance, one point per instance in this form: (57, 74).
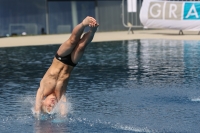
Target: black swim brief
(66, 60)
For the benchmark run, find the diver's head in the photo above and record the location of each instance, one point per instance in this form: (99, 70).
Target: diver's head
(49, 103)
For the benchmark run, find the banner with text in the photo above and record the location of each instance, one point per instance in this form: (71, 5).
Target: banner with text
(171, 14)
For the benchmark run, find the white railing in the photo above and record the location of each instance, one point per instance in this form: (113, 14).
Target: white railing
(130, 14)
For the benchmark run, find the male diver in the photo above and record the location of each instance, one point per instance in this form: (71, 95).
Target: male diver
(54, 83)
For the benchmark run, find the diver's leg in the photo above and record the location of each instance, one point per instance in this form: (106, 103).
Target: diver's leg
(68, 46)
(85, 40)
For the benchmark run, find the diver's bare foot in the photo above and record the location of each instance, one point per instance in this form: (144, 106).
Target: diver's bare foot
(89, 21)
(94, 28)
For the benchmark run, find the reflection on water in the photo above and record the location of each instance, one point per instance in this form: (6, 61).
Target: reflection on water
(49, 127)
(123, 86)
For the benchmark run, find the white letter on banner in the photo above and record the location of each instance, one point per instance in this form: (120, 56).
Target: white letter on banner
(190, 12)
(172, 11)
(159, 11)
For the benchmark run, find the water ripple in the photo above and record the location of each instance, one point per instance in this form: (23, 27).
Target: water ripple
(123, 86)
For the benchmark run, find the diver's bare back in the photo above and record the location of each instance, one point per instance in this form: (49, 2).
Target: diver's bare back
(56, 78)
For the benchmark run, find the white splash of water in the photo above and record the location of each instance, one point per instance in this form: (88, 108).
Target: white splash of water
(116, 126)
(197, 99)
(55, 114)
(132, 128)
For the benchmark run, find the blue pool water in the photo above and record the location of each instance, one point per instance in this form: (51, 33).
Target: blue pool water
(147, 86)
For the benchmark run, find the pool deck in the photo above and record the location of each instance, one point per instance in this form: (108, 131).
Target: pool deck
(99, 37)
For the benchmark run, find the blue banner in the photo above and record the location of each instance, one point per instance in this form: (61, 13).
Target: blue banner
(191, 11)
